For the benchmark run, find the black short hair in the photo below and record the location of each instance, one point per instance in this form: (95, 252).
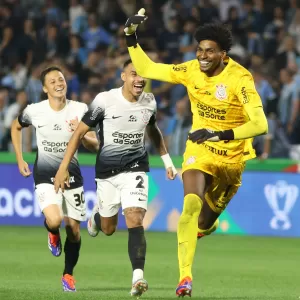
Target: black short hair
(126, 63)
(216, 32)
(48, 70)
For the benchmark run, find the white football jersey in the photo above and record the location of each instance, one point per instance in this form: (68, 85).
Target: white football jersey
(121, 132)
(53, 134)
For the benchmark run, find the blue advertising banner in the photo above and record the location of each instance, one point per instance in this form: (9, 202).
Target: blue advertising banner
(266, 204)
(18, 204)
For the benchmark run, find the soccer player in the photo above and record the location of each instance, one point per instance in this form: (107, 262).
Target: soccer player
(55, 120)
(123, 115)
(227, 114)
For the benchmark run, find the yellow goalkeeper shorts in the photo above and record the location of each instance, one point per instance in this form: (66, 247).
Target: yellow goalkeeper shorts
(227, 178)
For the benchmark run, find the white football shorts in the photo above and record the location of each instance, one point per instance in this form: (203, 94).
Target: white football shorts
(128, 189)
(71, 202)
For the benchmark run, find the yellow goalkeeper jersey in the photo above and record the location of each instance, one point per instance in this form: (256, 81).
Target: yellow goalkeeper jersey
(219, 103)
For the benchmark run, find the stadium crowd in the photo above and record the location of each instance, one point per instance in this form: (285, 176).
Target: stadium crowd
(86, 38)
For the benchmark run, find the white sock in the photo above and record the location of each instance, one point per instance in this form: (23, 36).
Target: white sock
(137, 274)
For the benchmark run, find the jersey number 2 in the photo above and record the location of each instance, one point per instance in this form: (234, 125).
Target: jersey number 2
(79, 198)
(141, 181)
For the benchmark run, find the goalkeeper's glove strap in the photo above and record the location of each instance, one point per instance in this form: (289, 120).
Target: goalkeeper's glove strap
(226, 135)
(131, 40)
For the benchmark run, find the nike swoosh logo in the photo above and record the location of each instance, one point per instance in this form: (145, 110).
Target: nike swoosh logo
(82, 215)
(142, 199)
(196, 88)
(114, 117)
(39, 126)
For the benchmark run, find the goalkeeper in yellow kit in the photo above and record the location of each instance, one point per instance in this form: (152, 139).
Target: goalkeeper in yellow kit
(227, 114)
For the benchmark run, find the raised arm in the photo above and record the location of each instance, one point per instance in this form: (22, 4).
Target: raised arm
(144, 66)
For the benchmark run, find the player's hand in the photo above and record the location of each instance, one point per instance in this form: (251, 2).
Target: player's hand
(171, 173)
(74, 124)
(134, 21)
(263, 156)
(201, 135)
(24, 168)
(62, 177)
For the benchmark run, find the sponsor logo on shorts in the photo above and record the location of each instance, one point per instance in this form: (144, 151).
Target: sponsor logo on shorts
(215, 151)
(140, 194)
(190, 160)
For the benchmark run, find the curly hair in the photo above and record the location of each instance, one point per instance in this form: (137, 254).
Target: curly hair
(216, 32)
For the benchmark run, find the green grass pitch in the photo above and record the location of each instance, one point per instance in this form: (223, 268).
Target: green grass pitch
(226, 267)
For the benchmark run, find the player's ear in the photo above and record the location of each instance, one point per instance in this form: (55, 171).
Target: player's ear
(123, 76)
(224, 54)
(45, 90)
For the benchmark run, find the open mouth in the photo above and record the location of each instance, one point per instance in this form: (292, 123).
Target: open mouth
(138, 88)
(204, 64)
(59, 90)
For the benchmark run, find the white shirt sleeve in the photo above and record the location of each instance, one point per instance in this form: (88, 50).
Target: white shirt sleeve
(25, 118)
(96, 113)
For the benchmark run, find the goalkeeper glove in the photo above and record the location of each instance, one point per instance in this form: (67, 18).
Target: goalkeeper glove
(134, 21)
(202, 135)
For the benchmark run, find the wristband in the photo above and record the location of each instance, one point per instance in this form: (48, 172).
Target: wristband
(226, 135)
(131, 40)
(167, 160)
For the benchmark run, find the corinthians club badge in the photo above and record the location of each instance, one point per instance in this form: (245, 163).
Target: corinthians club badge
(221, 93)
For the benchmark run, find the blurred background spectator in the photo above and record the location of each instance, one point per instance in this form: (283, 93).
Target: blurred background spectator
(85, 37)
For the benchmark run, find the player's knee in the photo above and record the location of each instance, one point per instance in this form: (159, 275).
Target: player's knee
(54, 221)
(108, 229)
(192, 204)
(134, 216)
(73, 233)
